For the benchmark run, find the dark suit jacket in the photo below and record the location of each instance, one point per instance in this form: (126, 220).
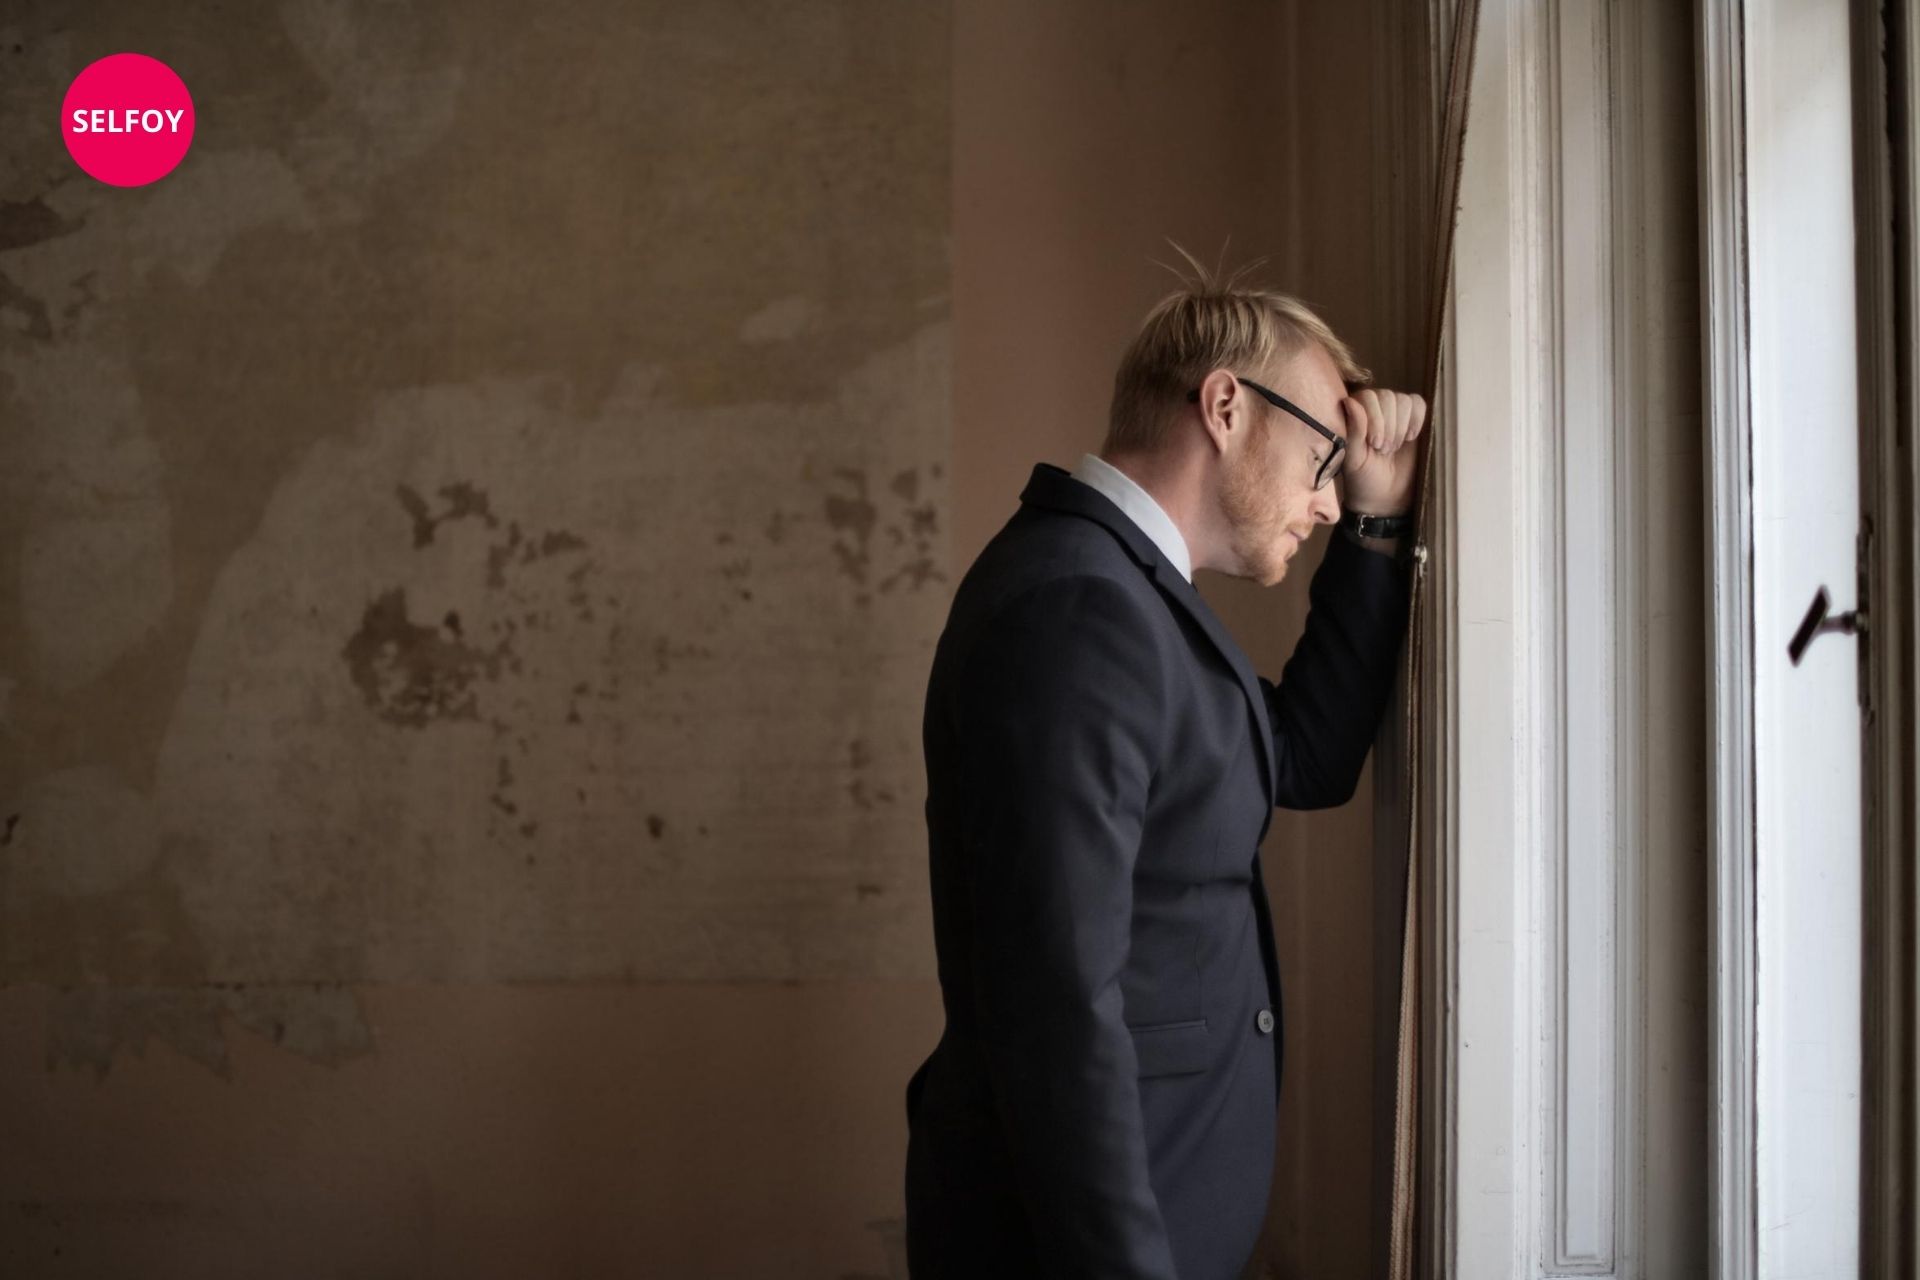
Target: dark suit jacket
(1102, 764)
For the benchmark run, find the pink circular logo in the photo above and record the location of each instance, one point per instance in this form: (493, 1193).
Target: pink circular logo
(127, 120)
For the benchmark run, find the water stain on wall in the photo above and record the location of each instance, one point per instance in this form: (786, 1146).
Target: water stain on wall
(458, 589)
(27, 222)
(412, 674)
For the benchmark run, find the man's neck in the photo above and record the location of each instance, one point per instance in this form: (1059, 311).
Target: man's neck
(1176, 487)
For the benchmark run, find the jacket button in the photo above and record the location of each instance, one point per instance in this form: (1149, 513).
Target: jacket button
(1264, 1021)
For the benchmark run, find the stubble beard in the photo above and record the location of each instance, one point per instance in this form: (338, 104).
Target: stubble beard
(1255, 522)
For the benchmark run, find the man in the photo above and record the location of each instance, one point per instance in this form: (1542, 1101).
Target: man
(1102, 764)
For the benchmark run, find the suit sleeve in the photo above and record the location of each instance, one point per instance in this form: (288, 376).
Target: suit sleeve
(1062, 715)
(1326, 709)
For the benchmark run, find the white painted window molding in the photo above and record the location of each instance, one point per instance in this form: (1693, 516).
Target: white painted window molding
(1779, 128)
(1539, 583)
(1730, 743)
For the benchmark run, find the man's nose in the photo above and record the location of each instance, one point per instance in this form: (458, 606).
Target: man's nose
(1326, 505)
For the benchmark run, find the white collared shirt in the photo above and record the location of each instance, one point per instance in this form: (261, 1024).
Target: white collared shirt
(1139, 507)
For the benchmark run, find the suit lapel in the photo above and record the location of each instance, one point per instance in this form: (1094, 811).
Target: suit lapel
(1184, 593)
(1054, 487)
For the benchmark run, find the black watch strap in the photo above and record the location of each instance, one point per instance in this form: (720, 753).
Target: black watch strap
(1366, 526)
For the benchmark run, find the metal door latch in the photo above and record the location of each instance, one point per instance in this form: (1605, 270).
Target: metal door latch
(1817, 624)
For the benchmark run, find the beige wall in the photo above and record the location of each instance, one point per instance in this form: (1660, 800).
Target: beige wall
(471, 543)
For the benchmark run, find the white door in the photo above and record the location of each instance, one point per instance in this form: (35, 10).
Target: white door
(1789, 914)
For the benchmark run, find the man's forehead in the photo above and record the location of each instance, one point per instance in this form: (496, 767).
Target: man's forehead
(1316, 386)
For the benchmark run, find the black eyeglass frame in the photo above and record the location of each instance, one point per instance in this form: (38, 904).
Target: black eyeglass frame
(1330, 465)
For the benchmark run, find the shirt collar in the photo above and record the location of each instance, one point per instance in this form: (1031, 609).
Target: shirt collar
(1138, 506)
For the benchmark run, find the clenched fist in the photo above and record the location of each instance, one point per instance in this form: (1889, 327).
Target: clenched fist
(1382, 460)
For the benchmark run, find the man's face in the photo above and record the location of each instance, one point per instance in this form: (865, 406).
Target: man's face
(1267, 493)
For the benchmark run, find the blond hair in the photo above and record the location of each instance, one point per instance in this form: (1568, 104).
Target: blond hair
(1211, 322)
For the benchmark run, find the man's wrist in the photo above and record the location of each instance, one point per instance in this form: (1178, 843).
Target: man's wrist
(1388, 534)
(1371, 527)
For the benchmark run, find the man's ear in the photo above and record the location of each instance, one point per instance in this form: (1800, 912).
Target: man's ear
(1217, 388)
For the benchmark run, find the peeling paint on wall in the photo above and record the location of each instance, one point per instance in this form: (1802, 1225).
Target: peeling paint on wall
(453, 535)
(529, 705)
(410, 674)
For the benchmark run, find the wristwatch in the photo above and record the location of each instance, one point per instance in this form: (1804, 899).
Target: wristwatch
(1366, 526)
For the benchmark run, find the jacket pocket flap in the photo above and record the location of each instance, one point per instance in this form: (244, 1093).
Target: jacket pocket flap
(1171, 1048)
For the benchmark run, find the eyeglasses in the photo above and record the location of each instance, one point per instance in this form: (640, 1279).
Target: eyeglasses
(1336, 456)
